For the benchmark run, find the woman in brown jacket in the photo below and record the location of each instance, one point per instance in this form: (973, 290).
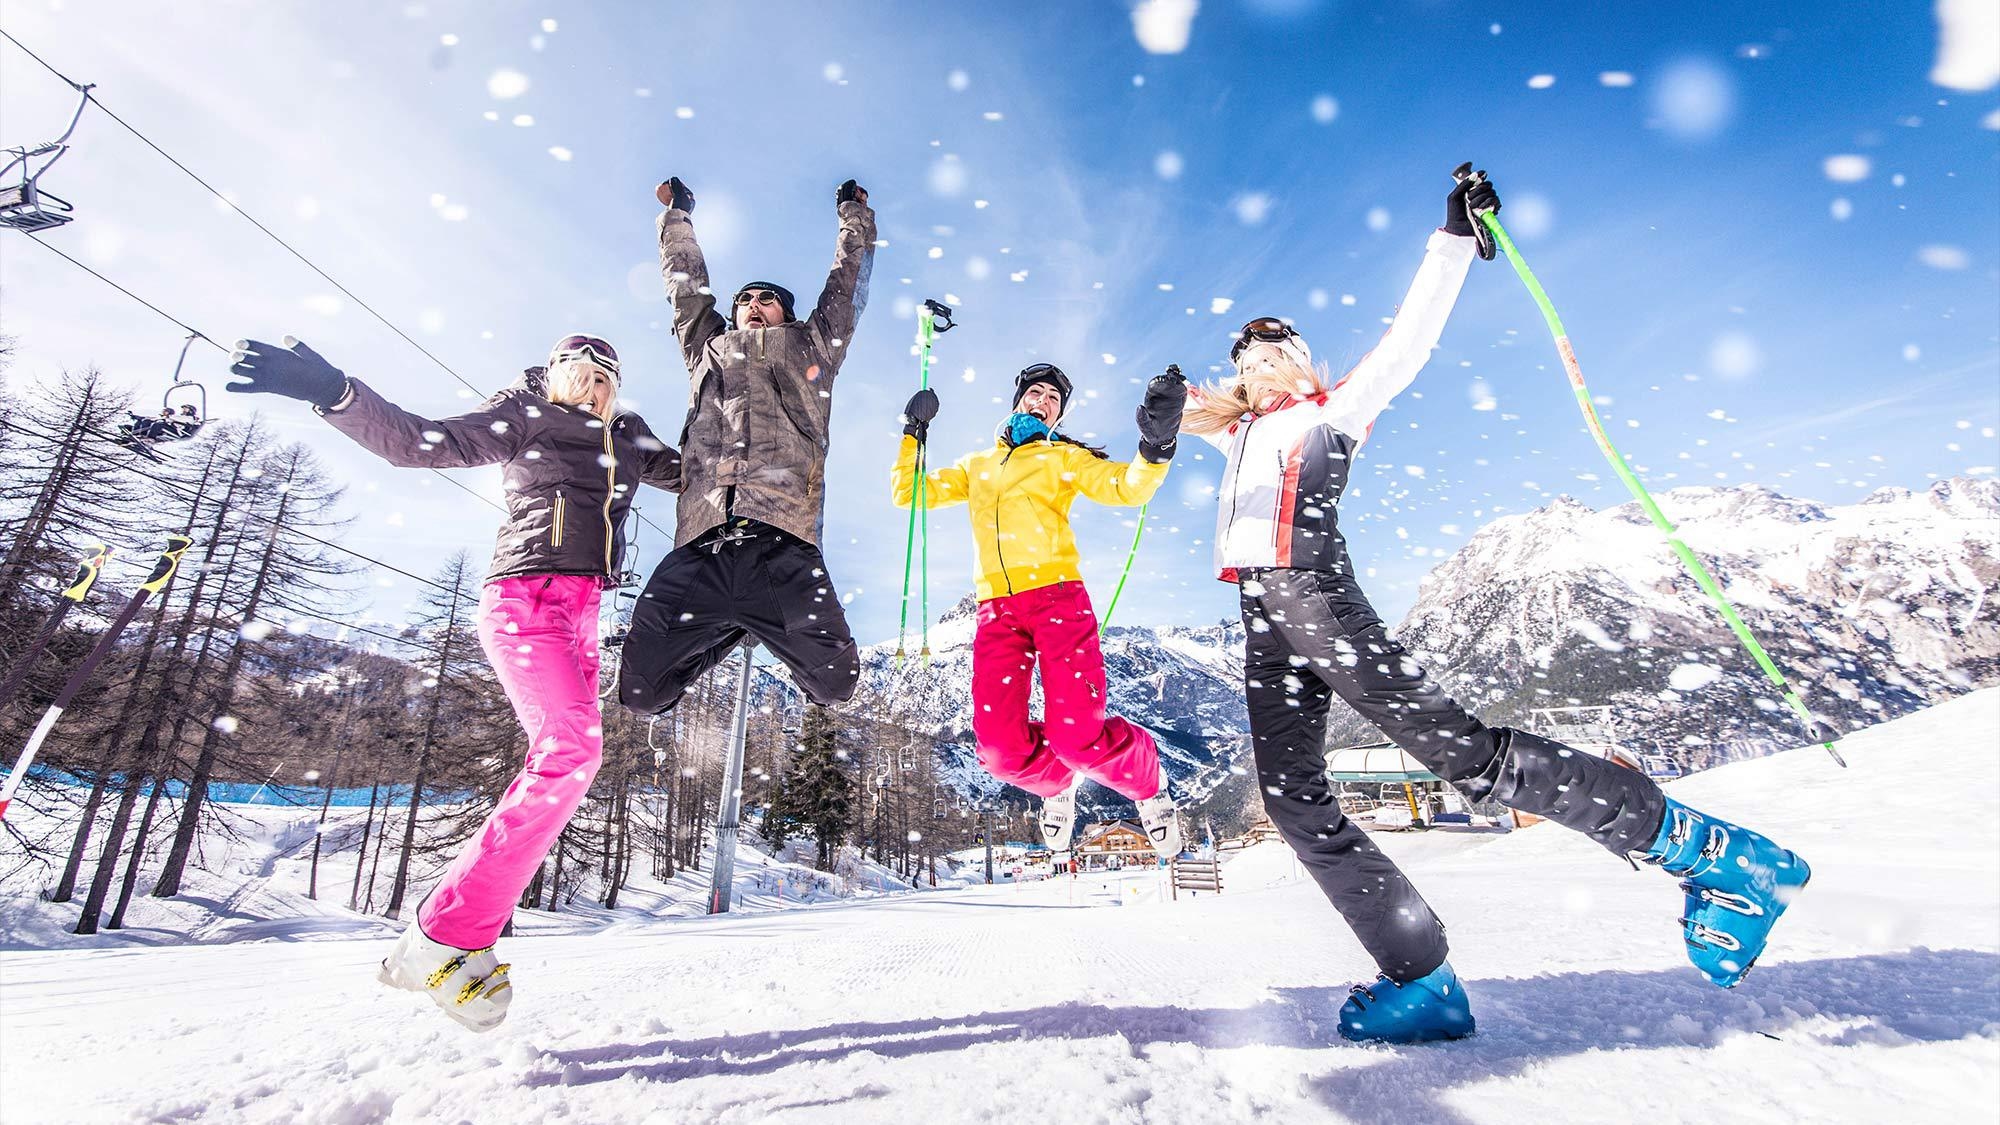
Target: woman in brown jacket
(572, 461)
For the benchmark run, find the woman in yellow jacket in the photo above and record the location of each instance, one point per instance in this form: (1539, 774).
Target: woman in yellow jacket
(1032, 601)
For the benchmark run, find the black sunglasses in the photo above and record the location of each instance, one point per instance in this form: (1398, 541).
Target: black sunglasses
(758, 295)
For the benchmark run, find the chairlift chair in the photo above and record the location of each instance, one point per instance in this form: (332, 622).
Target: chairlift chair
(24, 206)
(183, 412)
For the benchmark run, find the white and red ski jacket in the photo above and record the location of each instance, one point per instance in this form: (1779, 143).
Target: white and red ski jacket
(1287, 466)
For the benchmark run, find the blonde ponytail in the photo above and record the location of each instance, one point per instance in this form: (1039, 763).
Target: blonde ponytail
(1215, 407)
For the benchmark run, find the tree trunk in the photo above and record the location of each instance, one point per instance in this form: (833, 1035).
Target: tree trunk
(138, 854)
(332, 777)
(115, 739)
(361, 852)
(211, 739)
(424, 757)
(14, 569)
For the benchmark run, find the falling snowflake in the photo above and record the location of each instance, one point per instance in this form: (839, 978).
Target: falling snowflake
(506, 84)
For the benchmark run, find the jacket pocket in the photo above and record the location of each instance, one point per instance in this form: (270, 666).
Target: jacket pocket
(556, 529)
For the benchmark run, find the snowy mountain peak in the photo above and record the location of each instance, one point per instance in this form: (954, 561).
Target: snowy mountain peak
(1871, 608)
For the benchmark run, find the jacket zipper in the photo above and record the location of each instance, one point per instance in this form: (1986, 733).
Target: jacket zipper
(556, 532)
(610, 491)
(997, 551)
(1236, 485)
(1278, 509)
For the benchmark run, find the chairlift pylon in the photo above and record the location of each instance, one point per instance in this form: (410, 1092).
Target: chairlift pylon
(24, 206)
(624, 600)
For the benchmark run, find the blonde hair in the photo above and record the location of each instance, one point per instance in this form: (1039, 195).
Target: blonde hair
(570, 383)
(1218, 406)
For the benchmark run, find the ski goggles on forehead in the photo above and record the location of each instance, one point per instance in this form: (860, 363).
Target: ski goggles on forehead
(1265, 329)
(592, 348)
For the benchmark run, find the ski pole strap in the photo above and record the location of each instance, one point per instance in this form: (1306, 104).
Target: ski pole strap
(1104, 622)
(1619, 465)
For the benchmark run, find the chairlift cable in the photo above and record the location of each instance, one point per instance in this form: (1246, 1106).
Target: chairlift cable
(233, 206)
(181, 492)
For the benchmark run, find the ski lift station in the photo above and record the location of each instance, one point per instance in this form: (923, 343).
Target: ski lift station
(1381, 786)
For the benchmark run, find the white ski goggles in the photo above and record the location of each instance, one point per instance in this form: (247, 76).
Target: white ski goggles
(593, 349)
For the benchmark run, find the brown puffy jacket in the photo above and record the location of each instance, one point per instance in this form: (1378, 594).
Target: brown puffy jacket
(760, 400)
(569, 479)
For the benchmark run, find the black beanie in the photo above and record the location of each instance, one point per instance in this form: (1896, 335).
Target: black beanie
(784, 299)
(1043, 373)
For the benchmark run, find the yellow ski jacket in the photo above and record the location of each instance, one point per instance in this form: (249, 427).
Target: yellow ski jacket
(1020, 498)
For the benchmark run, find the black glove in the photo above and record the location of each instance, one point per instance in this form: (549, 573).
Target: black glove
(917, 415)
(295, 372)
(850, 192)
(1473, 194)
(1160, 415)
(675, 194)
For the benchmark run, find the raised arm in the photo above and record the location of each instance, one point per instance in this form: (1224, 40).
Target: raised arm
(942, 487)
(1124, 484)
(696, 320)
(487, 436)
(846, 292)
(1383, 373)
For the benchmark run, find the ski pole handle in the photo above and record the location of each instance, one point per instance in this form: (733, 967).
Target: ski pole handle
(1467, 179)
(1464, 172)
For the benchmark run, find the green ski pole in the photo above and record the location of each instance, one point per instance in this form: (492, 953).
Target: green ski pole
(1817, 730)
(1104, 622)
(933, 319)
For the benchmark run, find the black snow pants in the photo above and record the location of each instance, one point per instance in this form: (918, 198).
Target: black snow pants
(744, 577)
(1311, 634)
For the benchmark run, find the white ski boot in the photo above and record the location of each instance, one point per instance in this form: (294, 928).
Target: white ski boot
(1059, 817)
(1162, 822)
(469, 984)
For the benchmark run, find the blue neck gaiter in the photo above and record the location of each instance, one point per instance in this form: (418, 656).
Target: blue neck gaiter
(1023, 428)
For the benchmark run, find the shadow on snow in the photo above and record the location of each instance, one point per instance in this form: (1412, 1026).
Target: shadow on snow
(1892, 998)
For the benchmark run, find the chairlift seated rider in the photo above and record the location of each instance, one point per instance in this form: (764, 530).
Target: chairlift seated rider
(168, 425)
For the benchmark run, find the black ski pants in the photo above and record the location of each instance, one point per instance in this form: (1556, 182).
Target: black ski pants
(744, 577)
(1311, 635)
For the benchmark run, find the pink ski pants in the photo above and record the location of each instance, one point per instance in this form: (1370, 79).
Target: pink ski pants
(1056, 623)
(540, 632)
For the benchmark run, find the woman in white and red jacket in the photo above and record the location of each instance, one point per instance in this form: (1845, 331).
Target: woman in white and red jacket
(1311, 635)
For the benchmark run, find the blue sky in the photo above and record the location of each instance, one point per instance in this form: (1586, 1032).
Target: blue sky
(1772, 235)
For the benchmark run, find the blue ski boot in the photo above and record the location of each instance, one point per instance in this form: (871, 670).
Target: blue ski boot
(1417, 1011)
(1737, 882)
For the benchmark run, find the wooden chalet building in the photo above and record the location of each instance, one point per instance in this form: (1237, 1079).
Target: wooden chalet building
(1112, 844)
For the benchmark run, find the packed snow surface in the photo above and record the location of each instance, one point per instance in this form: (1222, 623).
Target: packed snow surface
(1103, 1000)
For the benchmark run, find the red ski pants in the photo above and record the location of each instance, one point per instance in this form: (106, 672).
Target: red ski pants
(1057, 624)
(540, 632)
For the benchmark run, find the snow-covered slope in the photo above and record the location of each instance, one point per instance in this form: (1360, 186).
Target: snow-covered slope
(255, 878)
(1879, 1001)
